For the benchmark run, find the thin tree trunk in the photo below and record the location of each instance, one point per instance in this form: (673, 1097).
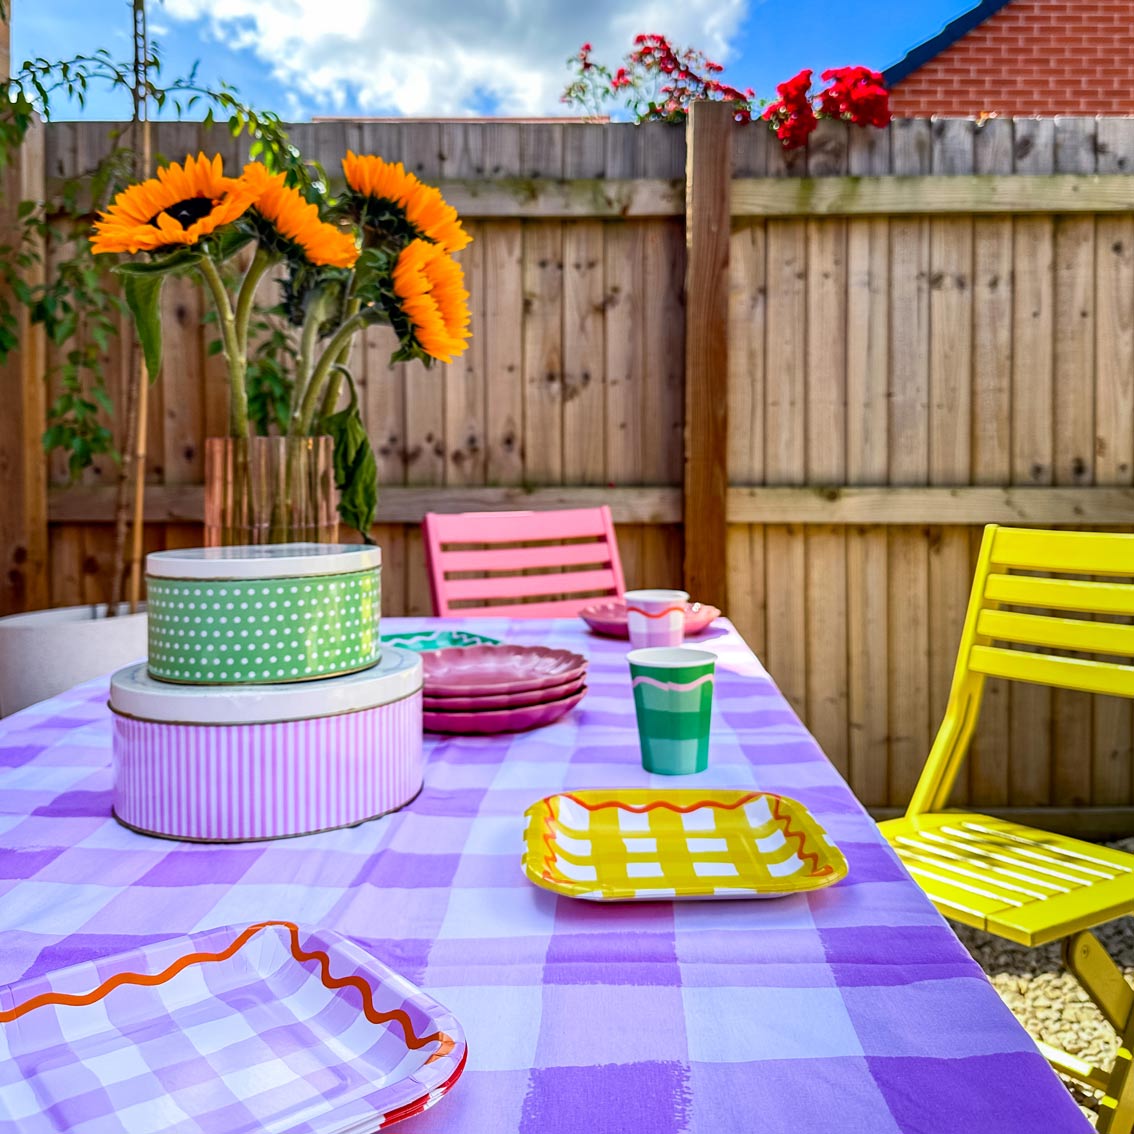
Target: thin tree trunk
(133, 468)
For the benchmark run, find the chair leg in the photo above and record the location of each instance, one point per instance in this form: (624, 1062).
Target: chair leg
(1103, 982)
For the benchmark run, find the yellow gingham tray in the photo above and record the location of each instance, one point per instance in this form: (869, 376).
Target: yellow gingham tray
(642, 845)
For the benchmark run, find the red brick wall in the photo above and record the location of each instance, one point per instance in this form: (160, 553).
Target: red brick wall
(1033, 57)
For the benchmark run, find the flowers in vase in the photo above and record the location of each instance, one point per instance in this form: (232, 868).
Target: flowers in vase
(379, 252)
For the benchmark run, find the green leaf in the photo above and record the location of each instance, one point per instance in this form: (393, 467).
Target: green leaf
(228, 243)
(174, 262)
(356, 470)
(143, 297)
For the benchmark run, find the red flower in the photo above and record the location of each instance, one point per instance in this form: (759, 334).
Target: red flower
(857, 95)
(792, 114)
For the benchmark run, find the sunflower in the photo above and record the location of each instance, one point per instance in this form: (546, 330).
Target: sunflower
(431, 287)
(386, 187)
(295, 223)
(178, 207)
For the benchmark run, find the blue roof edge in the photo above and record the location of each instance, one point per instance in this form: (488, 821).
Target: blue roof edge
(946, 37)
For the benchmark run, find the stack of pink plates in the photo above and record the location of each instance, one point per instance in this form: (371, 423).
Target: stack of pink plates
(488, 689)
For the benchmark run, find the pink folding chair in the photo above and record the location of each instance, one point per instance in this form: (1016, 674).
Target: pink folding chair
(574, 551)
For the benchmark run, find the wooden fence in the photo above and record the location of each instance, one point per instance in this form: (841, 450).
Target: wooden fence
(924, 329)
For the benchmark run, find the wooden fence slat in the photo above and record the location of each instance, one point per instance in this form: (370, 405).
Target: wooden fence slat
(785, 440)
(661, 153)
(950, 415)
(584, 363)
(905, 506)
(908, 577)
(927, 195)
(425, 389)
(987, 765)
(747, 330)
(624, 285)
(1033, 437)
(868, 379)
(1074, 410)
(543, 353)
(463, 378)
(825, 579)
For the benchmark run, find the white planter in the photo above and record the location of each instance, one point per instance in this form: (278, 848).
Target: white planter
(47, 651)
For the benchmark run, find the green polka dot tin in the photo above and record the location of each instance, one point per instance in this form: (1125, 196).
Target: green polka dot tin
(263, 615)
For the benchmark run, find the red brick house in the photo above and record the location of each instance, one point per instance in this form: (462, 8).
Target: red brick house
(1022, 57)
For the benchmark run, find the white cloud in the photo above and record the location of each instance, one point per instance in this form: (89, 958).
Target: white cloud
(447, 57)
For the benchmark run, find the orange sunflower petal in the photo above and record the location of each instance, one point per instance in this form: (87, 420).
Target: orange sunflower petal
(298, 220)
(423, 205)
(142, 218)
(431, 287)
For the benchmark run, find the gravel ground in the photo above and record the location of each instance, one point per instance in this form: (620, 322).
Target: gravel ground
(1044, 997)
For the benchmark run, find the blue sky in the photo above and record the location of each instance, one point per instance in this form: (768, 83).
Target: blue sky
(452, 57)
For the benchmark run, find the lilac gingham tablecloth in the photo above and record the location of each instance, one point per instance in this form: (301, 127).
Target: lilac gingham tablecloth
(852, 1010)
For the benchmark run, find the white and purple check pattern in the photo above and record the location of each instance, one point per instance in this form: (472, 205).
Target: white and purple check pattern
(254, 1043)
(852, 1009)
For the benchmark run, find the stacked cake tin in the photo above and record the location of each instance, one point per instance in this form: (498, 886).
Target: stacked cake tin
(249, 615)
(267, 706)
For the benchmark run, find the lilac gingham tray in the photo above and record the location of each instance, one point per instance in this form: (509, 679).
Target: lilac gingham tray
(267, 1028)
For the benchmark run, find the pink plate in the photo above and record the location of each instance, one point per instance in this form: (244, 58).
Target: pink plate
(471, 671)
(502, 720)
(505, 700)
(609, 618)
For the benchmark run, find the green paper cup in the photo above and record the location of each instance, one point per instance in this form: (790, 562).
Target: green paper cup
(673, 697)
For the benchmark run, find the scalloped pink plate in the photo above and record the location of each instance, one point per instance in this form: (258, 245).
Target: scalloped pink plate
(472, 671)
(502, 720)
(609, 618)
(520, 700)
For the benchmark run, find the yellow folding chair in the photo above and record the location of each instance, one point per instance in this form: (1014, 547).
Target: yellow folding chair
(1017, 882)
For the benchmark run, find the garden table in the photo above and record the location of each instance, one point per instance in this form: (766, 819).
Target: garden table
(850, 1009)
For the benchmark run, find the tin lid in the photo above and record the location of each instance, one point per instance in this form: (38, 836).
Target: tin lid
(134, 693)
(267, 561)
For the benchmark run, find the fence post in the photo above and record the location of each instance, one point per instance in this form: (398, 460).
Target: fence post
(23, 463)
(708, 174)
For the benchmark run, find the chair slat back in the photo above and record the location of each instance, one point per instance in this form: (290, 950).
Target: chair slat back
(500, 550)
(1051, 634)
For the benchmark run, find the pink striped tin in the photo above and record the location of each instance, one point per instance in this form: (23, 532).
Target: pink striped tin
(272, 761)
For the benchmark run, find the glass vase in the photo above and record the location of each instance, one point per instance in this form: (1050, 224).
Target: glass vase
(270, 490)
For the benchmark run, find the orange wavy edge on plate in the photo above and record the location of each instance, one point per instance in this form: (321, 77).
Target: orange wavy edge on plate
(412, 1040)
(775, 800)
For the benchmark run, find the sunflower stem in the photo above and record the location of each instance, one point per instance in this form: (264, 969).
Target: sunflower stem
(261, 262)
(302, 420)
(237, 363)
(335, 385)
(312, 317)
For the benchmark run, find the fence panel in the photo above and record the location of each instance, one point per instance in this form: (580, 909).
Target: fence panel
(906, 360)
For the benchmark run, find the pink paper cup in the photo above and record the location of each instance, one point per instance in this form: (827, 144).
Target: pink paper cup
(656, 618)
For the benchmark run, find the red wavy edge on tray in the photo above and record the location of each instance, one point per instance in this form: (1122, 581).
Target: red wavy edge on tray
(775, 800)
(800, 837)
(654, 804)
(412, 1040)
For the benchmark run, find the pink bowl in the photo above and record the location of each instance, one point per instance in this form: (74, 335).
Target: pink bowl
(501, 720)
(470, 671)
(505, 700)
(609, 618)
